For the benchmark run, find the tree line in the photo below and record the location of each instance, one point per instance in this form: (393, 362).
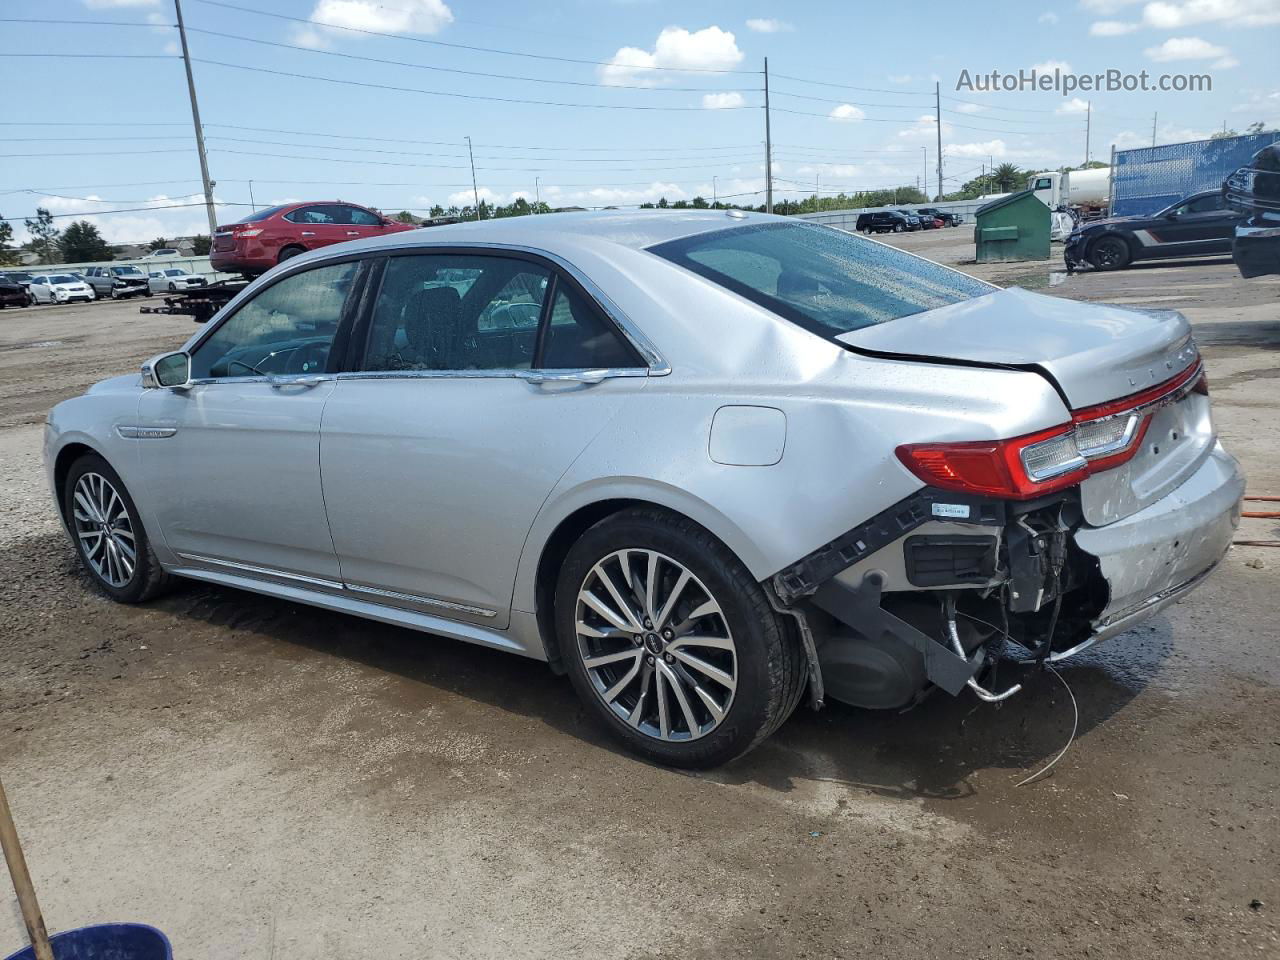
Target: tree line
(79, 242)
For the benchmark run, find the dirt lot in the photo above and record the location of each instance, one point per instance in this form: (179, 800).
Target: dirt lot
(262, 779)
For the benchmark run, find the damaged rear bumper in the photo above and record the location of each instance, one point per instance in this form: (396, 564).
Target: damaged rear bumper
(881, 633)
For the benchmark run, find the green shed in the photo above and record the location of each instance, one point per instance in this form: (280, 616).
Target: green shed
(1015, 227)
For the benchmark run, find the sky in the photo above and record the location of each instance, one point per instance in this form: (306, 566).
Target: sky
(582, 102)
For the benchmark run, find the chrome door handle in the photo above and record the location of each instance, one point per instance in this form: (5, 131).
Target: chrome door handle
(569, 376)
(308, 233)
(353, 233)
(310, 380)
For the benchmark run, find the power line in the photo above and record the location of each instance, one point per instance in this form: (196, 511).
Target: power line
(465, 46)
(470, 73)
(99, 56)
(823, 83)
(460, 96)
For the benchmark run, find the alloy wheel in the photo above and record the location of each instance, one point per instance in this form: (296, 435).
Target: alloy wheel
(656, 645)
(104, 530)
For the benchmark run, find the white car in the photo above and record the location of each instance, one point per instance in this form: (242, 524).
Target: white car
(164, 252)
(171, 280)
(60, 288)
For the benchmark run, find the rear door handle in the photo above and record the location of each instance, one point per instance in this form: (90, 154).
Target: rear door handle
(311, 380)
(569, 376)
(353, 233)
(308, 233)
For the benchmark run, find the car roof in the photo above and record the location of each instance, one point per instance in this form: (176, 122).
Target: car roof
(636, 229)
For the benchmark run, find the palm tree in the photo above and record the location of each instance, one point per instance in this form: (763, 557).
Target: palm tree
(1006, 176)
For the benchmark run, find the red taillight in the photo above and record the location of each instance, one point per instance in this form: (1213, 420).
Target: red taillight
(1097, 438)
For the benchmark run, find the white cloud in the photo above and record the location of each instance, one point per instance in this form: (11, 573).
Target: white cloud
(1238, 13)
(988, 148)
(1226, 63)
(1258, 102)
(1074, 105)
(768, 25)
(1186, 48)
(847, 111)
(970, 108)
(1111, 28)
(722, 101)
(406, 16)
(1049, 66)
(900, 78)
(675, 49)
(925, 128)
(183, 221)
(1047, 17)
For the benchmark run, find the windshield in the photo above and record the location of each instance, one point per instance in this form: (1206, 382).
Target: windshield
(62, 278)
(263, 214)
(126, 271)
(175, 273)
(826, 280)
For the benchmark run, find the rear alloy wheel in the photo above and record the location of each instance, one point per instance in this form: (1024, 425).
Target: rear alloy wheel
(897, 228)
(109, 537)
(1109, 253)
(672, 643)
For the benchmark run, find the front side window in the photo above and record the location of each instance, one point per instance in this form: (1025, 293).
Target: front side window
(288, 328)
(1044, 183)
(827, 281)
(362, 218)
(444, 312)
(1210, 204)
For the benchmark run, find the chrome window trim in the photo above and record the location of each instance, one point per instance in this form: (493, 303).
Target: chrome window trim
(538, 375)
(657, 364)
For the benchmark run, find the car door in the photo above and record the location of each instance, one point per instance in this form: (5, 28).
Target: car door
(317, 225)
(231, 462)
(1201, 225)
(467, 402)
(362, 223)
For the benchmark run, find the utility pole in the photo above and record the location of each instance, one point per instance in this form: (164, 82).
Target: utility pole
(475, 192)
(537, 193)
(1088, 124)
(768, 146)
(1154, 117)
(937, 114)
(195, 119)
(714, 201)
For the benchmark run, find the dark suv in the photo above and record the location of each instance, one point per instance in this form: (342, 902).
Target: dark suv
(948, 218)
(883, 221)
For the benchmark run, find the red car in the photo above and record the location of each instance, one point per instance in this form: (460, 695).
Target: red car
(267, 237)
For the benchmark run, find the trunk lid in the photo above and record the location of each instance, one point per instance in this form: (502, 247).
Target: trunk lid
(1091, 352)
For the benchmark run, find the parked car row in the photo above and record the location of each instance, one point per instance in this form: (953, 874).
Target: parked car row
(23, 289)
(901, 221)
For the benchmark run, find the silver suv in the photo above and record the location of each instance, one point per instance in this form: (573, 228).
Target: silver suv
(706, 464)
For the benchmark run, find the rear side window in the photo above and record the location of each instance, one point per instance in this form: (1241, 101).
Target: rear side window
(445, 312)
(825, 280)
(361, 218)
(580, 337)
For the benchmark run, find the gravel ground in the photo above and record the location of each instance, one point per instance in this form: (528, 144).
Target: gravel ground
(263, 779)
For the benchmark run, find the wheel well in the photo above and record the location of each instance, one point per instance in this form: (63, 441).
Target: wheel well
(62, 466)
(290, 246)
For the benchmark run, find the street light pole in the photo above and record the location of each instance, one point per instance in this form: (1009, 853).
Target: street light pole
(537, 194)
(195, 119)
(475, 191)
(768, 146)
(714, 201)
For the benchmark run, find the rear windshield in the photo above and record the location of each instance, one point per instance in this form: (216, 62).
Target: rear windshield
(263, 214)
(62, 278)
(825, 280)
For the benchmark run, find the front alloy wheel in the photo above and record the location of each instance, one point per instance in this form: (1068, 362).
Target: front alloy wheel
(104, 530)
(656, 645)
(103, 522)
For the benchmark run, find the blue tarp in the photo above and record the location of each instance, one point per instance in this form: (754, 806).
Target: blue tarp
(1150, 178)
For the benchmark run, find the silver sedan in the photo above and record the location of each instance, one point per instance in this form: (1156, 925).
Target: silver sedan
(172, 280)
(707, 464)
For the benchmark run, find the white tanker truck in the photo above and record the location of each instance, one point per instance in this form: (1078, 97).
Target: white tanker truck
(1088, 192)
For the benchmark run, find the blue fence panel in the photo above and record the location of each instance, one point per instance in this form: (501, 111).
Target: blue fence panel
(1150, 178)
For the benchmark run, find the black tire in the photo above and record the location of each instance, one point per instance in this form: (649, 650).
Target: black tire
(172, 288)
(897, 228)
(770, 661)
(147, 579)
(1110, 253)
(288, 253)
